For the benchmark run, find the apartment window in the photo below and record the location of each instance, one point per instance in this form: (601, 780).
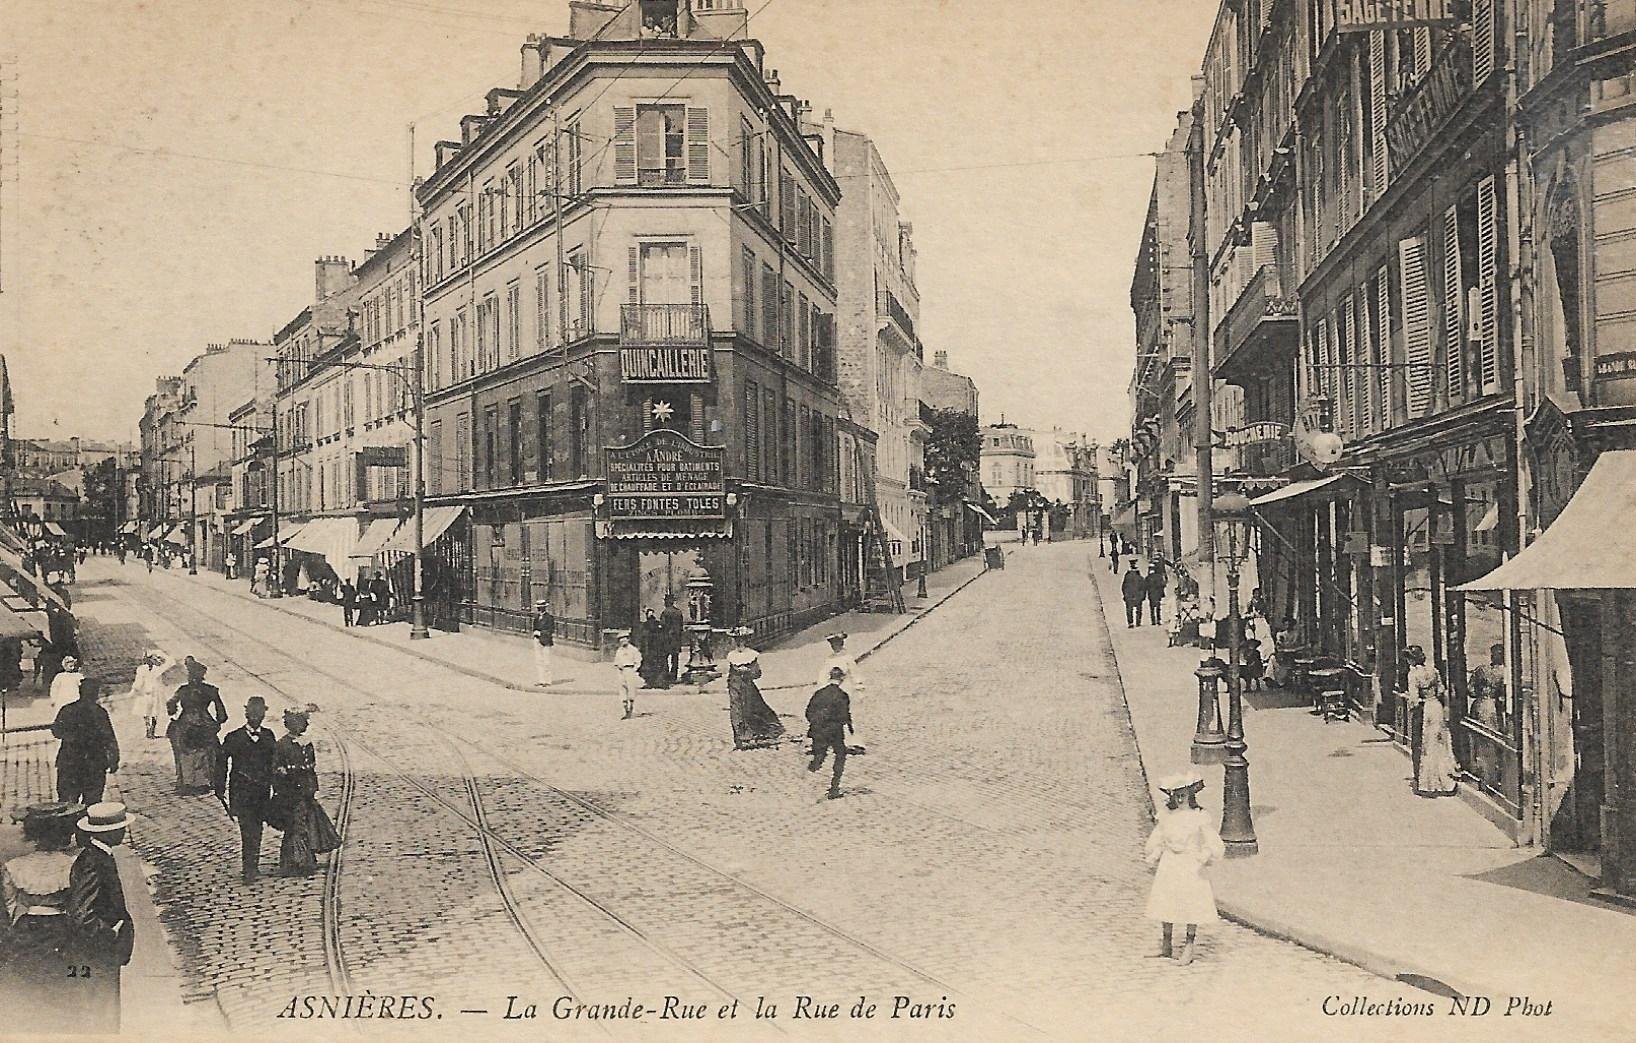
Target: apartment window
(483, 344)
(531, 190)
(746, 173)
(827, 263)
(786, 330)
(573, 145)
(579, 431)
(436, 255)
(514, 185)
(542, 308)
(786, 205)
(769, 307)
(786, 447)
(514, 440)
(661, 144)
(542, 433)
(749, 261)
(514, 322)
(661, 274)
(491, 421)
(763, 185)
(769, 440)
(804, 324)
(462, 450)
(485, 215)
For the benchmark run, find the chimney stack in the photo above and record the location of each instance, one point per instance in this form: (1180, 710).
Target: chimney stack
(940, 359)
(331, 276)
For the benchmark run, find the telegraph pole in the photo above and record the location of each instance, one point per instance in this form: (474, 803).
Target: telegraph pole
(417, 625)
(192, 508)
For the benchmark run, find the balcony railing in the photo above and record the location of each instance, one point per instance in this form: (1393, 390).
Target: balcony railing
(664, 325)
(1258, 309)
(891, 306)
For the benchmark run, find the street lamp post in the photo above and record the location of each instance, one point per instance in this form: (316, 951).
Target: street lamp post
(1230, 516)
(192, 509)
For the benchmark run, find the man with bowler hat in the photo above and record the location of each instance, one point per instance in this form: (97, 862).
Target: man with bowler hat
(89, 749)
(102, 935)
(829, 717)
(245, 783)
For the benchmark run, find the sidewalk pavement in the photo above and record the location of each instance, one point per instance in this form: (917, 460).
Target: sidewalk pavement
(151, 987)
(792, 661)
(1353, 864)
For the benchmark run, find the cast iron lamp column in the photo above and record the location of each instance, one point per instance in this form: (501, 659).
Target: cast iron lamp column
(1209, 744)
(1230, 514)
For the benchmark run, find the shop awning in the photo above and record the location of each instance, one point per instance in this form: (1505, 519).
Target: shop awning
(374, 538)
(333, 538)
(1295, 489)
(434, 523)
(156, 532)
(130, 527)
(177, 536)
(14, 562)
(54, 529)
(978, 510)
(286, 532)
(1590, 546)
(15, 624)
(1124, 522)
(680, 529)
(245, 528)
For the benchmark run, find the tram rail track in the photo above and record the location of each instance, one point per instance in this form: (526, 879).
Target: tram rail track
(475, 815)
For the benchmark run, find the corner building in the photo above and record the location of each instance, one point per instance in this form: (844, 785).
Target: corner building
(629, 311)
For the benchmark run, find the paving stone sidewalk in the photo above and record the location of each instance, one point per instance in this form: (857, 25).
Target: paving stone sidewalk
(1354, 864)
(792, 661)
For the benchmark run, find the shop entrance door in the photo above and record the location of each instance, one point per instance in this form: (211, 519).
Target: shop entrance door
(1576, 826)
(664, 572)
(1423, 526)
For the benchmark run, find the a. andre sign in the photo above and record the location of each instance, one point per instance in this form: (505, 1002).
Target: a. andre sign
(665, 475)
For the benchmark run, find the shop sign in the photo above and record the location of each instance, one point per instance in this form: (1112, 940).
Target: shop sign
(665, 475)
(1430, 103)
(1380, 557)
(383, 456)
(1360, 16)
(1617, 365)
(1258, 433)
(670, 365)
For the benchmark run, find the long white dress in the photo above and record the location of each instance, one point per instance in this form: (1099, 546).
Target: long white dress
(1183, 842)
(148, 691)
(1437, 765)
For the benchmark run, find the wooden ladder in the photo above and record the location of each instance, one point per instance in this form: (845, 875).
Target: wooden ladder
(889, 594)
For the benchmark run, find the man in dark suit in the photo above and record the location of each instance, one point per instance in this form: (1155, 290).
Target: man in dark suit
(545, 639)
(89, 749)
(829, 718)
(1155, 586)
(670, 622)
(1133, 589)
(102, 936)
(349, 601)
(245, 783)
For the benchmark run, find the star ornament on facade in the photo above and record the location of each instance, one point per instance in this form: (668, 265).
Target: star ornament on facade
(662, 412)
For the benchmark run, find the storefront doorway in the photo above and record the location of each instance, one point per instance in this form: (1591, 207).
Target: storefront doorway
(664, 572)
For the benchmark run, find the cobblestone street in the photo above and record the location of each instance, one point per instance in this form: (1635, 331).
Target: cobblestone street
(505, 843)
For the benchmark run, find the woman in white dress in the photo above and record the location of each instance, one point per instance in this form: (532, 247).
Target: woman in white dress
(148, 690)
(1436, 774)
(1183, 842)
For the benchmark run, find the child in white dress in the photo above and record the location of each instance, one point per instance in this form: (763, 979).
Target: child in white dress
(1183, 842)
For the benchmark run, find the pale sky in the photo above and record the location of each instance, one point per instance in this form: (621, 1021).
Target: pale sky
(172, 170)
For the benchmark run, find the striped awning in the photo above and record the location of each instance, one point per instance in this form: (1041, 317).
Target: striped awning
(157, 531)
(435, 521)
(54, 529)
(247, 526)
(978, 510)
(375, 537)
(680, 529)
(130, 527)
(177, 536)
(285, 534)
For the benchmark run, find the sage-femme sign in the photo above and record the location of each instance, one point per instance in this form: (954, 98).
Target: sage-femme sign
(1360, 16)
(665, 475)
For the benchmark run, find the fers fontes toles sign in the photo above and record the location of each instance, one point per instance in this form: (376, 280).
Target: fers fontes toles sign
(665, 475)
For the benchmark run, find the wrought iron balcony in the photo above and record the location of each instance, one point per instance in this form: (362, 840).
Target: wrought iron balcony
(889, 305)
(664, 325)
(1260, 322)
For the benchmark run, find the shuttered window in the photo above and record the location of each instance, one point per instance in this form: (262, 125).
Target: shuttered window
(514, 322)
(1454, 330)
(769, 435)
(786, 205)
(1369, 356)
(769, 307)
(1383, 342)
(1482, 40)
(695, 275)
(1347, 337)
(624, 145)
(804, 323)
(828, 262)
(698, 146)
(803, 446)
(786, 329)
(1417, 332)
(542, 308)
(744, 176)
(1378, 163)
(752, 431)
(1488, 261)
(1315, 359)
(749, 260)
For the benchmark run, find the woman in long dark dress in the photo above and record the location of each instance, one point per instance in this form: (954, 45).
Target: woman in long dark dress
(295, 810)
(653, 653)
(754, 722)
(193, 730)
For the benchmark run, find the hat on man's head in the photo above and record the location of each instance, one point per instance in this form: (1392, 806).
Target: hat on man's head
(54, 821)
(670, 599)
(837, 673)
(542, 603)
(1181, 782)
(839, 635)
(90, 686)
(742, 632)
(105, 817)
(255, 702)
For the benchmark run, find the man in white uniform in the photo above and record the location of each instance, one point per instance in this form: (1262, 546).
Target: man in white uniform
(627, 658)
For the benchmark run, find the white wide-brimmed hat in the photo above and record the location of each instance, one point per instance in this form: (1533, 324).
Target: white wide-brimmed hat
(105, 817)
(1181, 781)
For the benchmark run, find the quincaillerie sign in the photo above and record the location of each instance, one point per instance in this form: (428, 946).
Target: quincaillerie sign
(666, 365)
(665, 475)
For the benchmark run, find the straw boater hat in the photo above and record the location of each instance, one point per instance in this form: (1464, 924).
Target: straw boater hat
(839, 635)
(1181, 782)
(542, 603)
(105, 817)
(742, 631)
